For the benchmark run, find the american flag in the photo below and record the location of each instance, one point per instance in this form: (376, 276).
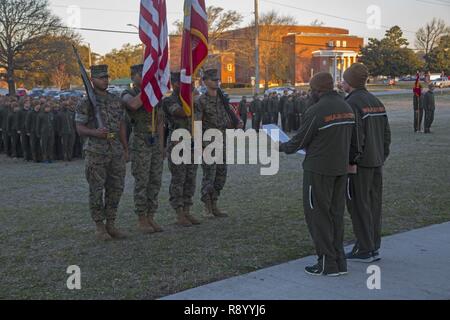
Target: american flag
(153, 32)
(194, 49)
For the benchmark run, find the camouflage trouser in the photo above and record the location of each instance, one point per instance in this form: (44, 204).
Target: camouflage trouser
(183, 183)
(68, 141)
(47, 147)
(429, 118)
(147, 168)
(106, 177)
(214, 178)
(25, 143)
(15, 142)
(6, 143)
(35, 148)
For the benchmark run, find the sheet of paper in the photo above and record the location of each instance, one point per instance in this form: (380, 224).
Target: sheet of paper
(281, 137)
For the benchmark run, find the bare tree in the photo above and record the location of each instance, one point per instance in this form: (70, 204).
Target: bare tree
(219, 21)
(317, 23)
(428, 37)
(60, 77)
(273, 57)
(23, 23)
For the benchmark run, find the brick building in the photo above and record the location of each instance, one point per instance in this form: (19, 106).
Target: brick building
(223, 61)
(3, 83)
(309, 49)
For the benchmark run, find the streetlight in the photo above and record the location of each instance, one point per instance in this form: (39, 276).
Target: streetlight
(133, 25)
(137, 28)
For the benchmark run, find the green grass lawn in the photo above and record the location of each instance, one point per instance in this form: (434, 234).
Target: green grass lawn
(45, 224)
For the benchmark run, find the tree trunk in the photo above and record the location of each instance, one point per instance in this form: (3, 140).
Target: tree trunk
(266, 78)
(10, 77)
(11, 82)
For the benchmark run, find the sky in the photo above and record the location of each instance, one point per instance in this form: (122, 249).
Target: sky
(364, 18)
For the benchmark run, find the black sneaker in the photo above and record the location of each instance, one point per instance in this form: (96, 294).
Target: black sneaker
(317, 270)
(376, 256)
(360, 257)
(342, 267)
(323, 269)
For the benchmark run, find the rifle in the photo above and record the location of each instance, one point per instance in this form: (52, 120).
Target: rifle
(233, 117)
(89, 91)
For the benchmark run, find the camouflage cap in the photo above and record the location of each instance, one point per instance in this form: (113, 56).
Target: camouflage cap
(99, 71)
(137, 68)
(175, 77)
(211, 74)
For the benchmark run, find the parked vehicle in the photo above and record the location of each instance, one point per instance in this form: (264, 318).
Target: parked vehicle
(280, 90)
(36, 93)
(4, 92)
(442, 82)
(51, 93)
(21, 92)
(70, 93)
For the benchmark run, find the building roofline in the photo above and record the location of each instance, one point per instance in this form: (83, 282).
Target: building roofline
(345, 31)
(301, 34)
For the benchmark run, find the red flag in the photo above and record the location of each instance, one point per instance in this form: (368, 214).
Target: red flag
(153, 32)
(194, 49)
(417, 90)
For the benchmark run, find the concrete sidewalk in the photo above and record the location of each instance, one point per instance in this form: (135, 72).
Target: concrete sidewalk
(414, 265)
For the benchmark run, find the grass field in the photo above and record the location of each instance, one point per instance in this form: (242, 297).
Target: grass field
(45, 224)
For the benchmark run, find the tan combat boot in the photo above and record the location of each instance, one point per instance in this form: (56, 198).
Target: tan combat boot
(113, 231)
(216, 211)
(143, 226)
(153, 224)
(209, 208)
(182, 220)
(101, 234)
(187, 214)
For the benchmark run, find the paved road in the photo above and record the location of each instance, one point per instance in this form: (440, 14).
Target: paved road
(415, 265)
(236, 99)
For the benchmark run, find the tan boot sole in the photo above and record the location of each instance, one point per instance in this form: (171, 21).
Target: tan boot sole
(193, 221)
(146, 230)
(103, 237)
(185, 224)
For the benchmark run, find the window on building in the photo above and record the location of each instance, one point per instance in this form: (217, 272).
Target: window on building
(230, 79)
(344, 44)
(338, 43)
(230, 67)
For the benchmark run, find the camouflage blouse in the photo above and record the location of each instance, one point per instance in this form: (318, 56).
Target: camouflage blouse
(112, 115)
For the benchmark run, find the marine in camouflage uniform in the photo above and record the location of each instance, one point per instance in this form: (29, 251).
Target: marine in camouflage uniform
(213, 116)
(24, 138)
(147, 145)
(429, 105)
(2, 110)
(45, 129)
(66, 131)
(13, 130)
(106, 151)
(183, 183)
(243, 111)
(256, 107)
(31, 129)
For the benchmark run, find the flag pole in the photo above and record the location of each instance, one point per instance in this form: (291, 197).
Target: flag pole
(192, 94)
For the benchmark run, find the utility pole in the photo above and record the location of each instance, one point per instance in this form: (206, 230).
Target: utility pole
(257, 46)
(335, 68)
